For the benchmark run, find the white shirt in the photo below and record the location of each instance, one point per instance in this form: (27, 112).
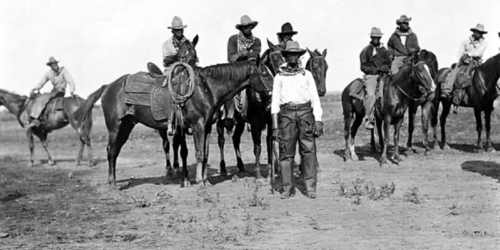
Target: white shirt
(472, 48)
(296, 89)
(168, 48)
(59, 79)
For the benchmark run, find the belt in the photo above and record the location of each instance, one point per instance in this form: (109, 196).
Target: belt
(291, 105)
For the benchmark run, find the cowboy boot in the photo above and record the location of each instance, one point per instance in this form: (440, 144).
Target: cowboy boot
(310, 188)
(33, 124)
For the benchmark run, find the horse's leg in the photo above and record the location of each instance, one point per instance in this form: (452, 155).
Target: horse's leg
(166, 149)
(354, 130)
(380, 133)
(442, 120)
(426, 113)
(206, 149)
(387, 124)
(433, 114)
(31, 145)
(238, 131)
(412, 112)
(118, 135)
(176, 143)
(269, 144)
(487, 126)
(397, 128)
(43, 139)
(347, 136)
(184, 152)
(479, 127)
(256, 131)
(199, 142)
(80, 152)
(221, 141)
(88, 143)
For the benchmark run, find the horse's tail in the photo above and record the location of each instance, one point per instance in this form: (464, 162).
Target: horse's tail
(84, 113)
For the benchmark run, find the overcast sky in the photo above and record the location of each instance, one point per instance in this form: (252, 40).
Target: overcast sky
(101, 40)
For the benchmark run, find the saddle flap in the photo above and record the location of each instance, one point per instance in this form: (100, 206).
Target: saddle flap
(140, 82)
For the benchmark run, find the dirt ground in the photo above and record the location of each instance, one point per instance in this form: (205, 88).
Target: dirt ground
(446, 199)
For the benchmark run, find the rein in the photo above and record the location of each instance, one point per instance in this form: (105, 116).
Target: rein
(424, 96)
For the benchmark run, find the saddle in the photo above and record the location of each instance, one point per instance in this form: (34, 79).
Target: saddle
(149, 89)
(467, 67)
(357, 88)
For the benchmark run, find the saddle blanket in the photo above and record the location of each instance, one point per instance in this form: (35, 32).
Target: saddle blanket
(357, 89)
(142, 89)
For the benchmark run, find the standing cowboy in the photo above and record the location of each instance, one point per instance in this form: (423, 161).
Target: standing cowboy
(285, 35)
(59, 77)
(172, 45)
(374, 61)
(243, 46)
(296, 111)
(469, 55)
(402, 43)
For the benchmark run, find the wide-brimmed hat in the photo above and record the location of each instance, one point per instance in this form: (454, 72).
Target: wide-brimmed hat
(292, 47)
(479, 28)
(177, 24)
(246, 21)
(287, 29)
(51, 61)
(376, 32)
(403, 19)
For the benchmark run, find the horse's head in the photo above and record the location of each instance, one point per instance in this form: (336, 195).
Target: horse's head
(187, 52)
(421, 75)
(318, 67)
(274, 58)
(261, 78)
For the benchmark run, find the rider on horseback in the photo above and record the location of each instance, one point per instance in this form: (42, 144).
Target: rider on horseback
(243, 46)
(470, 53)
(402, 43)
(285, 35)
(172, 45)
(59, 77)
(374, 61)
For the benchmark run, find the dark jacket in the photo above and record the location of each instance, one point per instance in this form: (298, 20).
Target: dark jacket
(232, 50)
(395, 46)
(371, 64)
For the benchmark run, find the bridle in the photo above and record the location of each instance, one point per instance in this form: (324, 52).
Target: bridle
(266, 87)
(428, 90)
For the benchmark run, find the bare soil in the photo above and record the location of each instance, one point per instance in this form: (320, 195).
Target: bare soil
(445, 199)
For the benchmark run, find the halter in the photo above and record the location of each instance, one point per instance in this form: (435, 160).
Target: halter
(309, 65)
(264, 82)
(272, 61)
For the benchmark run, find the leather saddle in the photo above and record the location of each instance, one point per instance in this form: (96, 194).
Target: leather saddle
(154, 70)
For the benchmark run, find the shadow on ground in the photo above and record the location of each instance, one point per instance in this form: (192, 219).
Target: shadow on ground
(486, 168)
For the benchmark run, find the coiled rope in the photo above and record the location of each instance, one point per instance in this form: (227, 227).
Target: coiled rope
(179, 98)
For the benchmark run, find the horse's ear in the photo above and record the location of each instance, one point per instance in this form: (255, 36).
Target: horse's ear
(195, 41)
(310, 52)
(271, 45)
(324, 53)
(257, 61)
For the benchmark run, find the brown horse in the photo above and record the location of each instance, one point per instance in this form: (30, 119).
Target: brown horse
(479, 96)
(213, 85)
(259, 114)
(57, 119)
(412, 82)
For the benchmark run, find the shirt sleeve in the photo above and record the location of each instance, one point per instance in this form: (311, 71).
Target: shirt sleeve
(42, 82)
(479, 51)
(168, 49)
(461, 50)
(417, 47)
(69, 80)
(366, 65)
(256, 48)
(390, 45)
(232, 50)
(275, 101)
(313, 92)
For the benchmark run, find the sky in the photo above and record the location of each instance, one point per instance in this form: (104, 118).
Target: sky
(100, 40)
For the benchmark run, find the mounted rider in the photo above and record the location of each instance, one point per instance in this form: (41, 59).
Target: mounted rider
(285, 35)
(470, 55)
(402, 43)
(60, 78)
(243, 46)
(296, 111)
(172, 45)
(374, 62)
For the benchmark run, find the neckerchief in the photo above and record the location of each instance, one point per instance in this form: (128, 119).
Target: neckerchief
(245, 43)
(399, 33)
(177, 44)
(374, 52)
(475, 42)
(59, 72)
(286, 70)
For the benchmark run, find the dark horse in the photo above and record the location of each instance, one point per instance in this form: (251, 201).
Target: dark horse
(412, 82)
(213, 86)
(16, 104)
(258, 114)
(480, 96)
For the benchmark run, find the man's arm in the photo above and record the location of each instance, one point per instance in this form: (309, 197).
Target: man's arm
(313, 92)
(42, 82)
(69, 80)
(366, 66)
(255, 50)
(416, 47)
(275, 101)
(232, 49)
(461, 50)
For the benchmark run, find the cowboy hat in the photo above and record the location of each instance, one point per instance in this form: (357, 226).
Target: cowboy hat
(292, 47)
(403, 19)
(177, 24)
(287, 29)
(376, 32)
(479, 28)
(51, 61)
(246, 21)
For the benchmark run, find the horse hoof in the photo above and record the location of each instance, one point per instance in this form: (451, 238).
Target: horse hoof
(383, 164)
(207, 183)
(258, 175)
(186, 184)
(355, 157)
(51, 163)
(446, 147)
(223, 173)
(490, 149)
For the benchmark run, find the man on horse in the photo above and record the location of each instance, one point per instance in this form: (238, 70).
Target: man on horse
(470, 53)
(172, 45)
(243, 46)
(296, 111)
(402, 43)
(374, 61)
(59, 77)
(285, 35)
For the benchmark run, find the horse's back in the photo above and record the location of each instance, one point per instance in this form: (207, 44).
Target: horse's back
(350, 93)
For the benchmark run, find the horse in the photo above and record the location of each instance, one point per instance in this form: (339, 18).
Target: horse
(427, 105)
(480, 96)
(259, 114)
(398, 90)
(212, 86)
(16, 104)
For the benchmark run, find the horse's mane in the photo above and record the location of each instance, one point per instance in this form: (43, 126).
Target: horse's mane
(430, 59)
(3, 92)
(403, 73)
(227, 71)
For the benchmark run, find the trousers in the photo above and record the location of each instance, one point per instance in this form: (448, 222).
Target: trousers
(296, 126)
(397, 63)
(370, 85)
(37, 105)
